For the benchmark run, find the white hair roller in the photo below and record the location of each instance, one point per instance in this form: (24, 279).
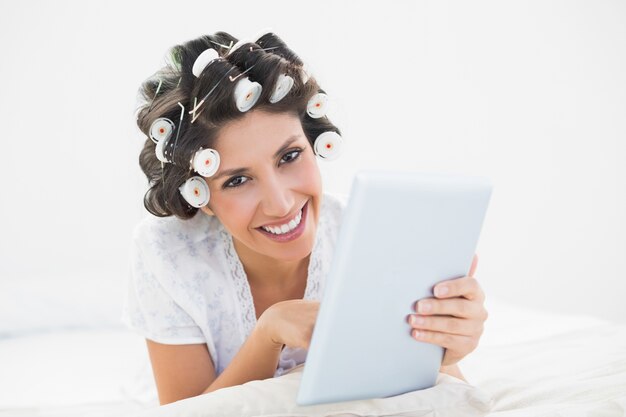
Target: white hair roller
(195, 191)
(161, 129)
(204, 59)
(328, 145)
(317, 105)
(283, 85)
(246, 94)
(206, 162)
(159, 151)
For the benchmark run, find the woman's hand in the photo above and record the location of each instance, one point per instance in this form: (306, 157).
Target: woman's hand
(453, 320)
(290, 322)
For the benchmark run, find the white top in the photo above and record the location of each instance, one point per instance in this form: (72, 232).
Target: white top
(189, 286)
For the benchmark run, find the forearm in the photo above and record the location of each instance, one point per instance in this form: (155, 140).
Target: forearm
(257, 359)
(453, 370)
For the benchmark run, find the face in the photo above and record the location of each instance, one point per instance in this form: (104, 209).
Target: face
(277, 177)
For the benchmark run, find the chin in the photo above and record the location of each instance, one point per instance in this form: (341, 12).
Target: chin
(293, 251)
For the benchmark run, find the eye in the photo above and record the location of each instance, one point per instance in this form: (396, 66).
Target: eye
(297, 153)
(287, 158)
(232, 183)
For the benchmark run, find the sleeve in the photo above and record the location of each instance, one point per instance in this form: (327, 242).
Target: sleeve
(149, 309)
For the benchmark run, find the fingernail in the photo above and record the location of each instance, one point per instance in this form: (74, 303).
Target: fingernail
(441, 291)
(423, 307)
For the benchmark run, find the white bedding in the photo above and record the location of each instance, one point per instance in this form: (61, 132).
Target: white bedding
(532, 363)
(97, 372)
(545, 364)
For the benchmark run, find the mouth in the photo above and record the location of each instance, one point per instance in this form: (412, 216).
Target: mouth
(289, 231)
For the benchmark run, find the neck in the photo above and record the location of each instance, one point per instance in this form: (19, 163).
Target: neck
(266, 272)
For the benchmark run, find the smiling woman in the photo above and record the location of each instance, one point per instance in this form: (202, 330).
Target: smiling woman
(229, 267)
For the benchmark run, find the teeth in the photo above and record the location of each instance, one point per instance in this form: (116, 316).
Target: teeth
(279, 230)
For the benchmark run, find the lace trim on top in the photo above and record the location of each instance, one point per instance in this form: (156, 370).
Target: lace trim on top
(242, 287)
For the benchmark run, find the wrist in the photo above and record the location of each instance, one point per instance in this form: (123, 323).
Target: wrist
(264, 329)
(453, 370)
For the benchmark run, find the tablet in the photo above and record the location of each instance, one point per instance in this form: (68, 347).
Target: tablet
(401, 233)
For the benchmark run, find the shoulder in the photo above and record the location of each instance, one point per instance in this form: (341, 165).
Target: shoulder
(335, 198)
(333, 206)
(334, 202)
(173, 234)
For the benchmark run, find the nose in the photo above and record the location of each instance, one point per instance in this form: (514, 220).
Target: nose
(277, 197)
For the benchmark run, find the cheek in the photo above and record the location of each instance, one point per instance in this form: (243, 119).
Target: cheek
(234, 210)
(309, 173)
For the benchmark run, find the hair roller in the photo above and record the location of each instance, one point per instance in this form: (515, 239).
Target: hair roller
(328, 145)
(161, 129)
(196, 192)
(246, 94)
(206, 162)
(204, 59)
(317, 105)
(282, 88)
(270, 70)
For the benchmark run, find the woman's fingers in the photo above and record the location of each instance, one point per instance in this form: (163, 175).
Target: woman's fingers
(458, 307)
(446, 324)
(467, 287)
(454, 342)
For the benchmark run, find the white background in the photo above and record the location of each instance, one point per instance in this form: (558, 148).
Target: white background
(530, 93)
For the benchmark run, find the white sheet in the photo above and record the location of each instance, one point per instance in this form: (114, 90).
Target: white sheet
(79, 373)
(532, 363)
(545, 364)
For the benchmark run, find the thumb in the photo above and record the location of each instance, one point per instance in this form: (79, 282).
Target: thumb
(473, 267)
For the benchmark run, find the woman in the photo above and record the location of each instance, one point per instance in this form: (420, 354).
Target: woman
(229, 268)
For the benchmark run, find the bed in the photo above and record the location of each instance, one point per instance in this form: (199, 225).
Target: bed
(531, 363)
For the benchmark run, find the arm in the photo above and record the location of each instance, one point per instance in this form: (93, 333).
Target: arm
(257, 359)
(180, 371)
(184, 371)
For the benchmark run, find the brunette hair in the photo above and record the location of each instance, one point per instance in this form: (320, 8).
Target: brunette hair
(268, 56)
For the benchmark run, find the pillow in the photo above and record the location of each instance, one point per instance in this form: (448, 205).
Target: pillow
(276, 397)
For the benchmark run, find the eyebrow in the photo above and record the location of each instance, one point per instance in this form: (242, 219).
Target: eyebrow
(236, 171)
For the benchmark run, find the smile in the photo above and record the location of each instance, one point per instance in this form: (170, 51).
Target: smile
(280, 230)
(288, 231)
